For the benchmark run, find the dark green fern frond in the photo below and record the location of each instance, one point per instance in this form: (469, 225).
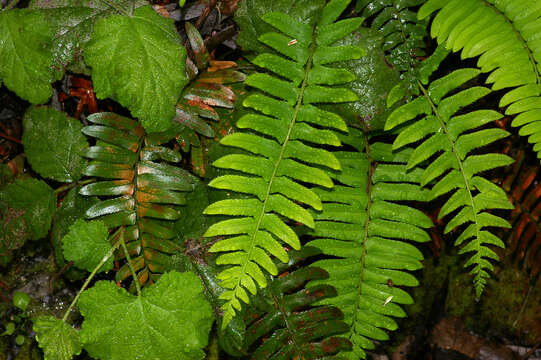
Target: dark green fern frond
(403, 34)
(285, 138)
(505, 36)
(282, 320)
(141, 190)
(362, 225)
(448, 140)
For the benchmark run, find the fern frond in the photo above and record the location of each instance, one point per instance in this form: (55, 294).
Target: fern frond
(208, 90)
(403, 34)
(449, 140)
(283, 321)
(283, 138)
(362, 226)
(505, 36)
(141, 190)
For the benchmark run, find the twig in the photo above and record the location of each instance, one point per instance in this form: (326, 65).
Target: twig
(531, 351)
(11, 5)
(217, 39)
(10, 138)
(519, 315)
(204, 14)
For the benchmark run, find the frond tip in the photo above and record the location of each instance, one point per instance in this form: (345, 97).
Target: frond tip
(449, 140)
(504, 35)
(282, 146)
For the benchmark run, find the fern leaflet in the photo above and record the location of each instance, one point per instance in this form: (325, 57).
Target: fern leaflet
(361, 224)
(452, 139)
(139, 185)
(280, 158)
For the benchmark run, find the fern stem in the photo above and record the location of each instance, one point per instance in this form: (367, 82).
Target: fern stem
(93, 273)
(520, 37)
(128, 258)
(137, 221)
(11, 5)
(290, 330)
(401, 23)
(371, 169)
(460, 165)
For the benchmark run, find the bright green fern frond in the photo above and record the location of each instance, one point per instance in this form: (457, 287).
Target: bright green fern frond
(448, 140)
(363, 224)
(141, 190)
(282, 139)
(505, 36)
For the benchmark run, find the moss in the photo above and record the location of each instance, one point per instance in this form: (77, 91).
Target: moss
(510, 306)
(460, 301)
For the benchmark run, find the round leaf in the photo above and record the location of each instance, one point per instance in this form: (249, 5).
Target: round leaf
(52, 144)
(86, 245)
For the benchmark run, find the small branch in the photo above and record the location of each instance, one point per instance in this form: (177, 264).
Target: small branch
(205, 14)
(10, 138)
(225, 34)
(521, 311)
(531, 351)
(11, 5)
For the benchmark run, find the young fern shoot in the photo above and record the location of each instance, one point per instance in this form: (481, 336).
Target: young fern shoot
(281, 162)
(449, 139)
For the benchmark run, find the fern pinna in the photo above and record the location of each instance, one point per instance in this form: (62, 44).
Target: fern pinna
(361, 227)
(505, 36)
(281, 162)
(139, 186)
(448, 139)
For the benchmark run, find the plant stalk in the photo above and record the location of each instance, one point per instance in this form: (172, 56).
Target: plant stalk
(92, 274)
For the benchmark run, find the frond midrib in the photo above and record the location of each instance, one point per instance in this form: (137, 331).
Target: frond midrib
(136, 203)
(371, 168)
(287, 323)
(460, 165)
(398, 15)
(278, 160)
